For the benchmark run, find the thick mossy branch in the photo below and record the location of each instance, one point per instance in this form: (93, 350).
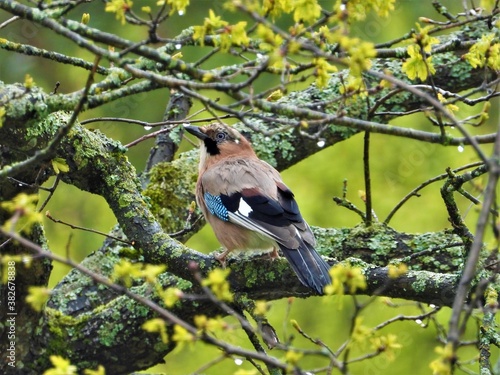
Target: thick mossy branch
(79, 308)
(170, 202)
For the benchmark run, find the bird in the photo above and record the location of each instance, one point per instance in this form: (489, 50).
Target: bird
(249, 207)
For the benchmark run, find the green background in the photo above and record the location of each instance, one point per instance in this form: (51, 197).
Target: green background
(397, 165)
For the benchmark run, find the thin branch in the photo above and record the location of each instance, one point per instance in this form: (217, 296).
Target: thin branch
(474, 251)
(51, 191)
(367, 178)
(72, 226)
(414, 192)
(147, 124)
(9, 21)
(29, 50)
(148, 136)
(400, 318)
(202, 369)
(343, 202)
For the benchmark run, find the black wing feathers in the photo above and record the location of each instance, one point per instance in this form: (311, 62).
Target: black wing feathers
(264, 209)
(310, 268)
(231, 202)
(280, 213)
(289, 204)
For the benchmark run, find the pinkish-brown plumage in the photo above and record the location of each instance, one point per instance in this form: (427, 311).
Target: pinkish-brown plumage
(249, 207)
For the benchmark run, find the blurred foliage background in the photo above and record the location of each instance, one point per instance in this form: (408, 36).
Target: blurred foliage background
(398, 165)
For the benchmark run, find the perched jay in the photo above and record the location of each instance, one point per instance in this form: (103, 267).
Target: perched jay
(249, 207)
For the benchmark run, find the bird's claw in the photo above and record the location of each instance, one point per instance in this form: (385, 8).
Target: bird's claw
(222, 257)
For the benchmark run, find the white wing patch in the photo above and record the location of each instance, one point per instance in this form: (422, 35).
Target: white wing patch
(244, 208)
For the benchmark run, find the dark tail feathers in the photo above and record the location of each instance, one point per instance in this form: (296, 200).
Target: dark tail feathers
(310, 268)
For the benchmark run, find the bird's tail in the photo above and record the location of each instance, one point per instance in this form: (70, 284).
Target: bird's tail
(310, 268)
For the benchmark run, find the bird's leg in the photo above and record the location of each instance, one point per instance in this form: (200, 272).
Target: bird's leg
(222, 257)
(274, 254)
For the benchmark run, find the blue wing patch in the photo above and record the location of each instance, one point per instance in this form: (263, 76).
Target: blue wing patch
(216, 207)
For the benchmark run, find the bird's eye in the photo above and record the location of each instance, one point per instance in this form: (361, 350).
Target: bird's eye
(220, 136)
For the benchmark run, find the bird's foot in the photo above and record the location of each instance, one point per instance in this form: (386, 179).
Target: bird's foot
(274, 254)
(221, 257)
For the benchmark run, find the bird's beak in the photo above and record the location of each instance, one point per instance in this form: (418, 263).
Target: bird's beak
(196, 131)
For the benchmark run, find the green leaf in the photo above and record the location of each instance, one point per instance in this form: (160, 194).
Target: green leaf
(59, 165)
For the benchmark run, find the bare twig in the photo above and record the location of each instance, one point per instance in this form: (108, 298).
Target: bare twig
(474, 251)
(72, 226)
(414, 192)
(366, 171)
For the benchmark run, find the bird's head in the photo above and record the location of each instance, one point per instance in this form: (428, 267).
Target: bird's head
(220, 141)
